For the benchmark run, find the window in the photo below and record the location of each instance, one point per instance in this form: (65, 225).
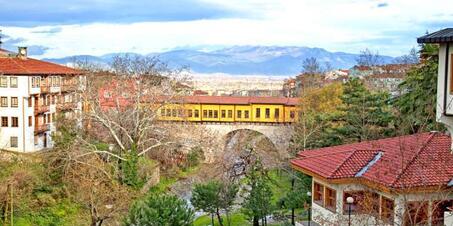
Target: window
(30, 102)
(197, 113)
(230, 113)
(180, 113)
(14, 122)
(210, 114)
(4, 121)
(331, 199)
(173, 112)
(223, 114)
(13, 142)
(190, 113)
(216, 114)
(49, 120)
(14, 102)
(239, 114)
(267, 113)
(438, 209)
(246, 114)
(168, 112)
(292, 114)
(318, 193)
(53, 99)
(277, 113)
(387, 209)
(258, 113)
(364, 202)
(162, 112)
(3, 82)
(205, 113)
(30, 121)
(13, 82)
(416, 213)
(4, 101)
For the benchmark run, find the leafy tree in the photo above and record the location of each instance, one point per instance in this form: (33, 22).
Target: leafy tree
(366, 115)
(417, 104)
(257, 204)
(297, 197)
(213, 197)
(162, 210)
(317, 108)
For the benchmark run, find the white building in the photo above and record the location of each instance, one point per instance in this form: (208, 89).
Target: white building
(32, 93)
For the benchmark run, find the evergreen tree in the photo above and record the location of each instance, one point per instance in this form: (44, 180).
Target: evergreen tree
(297, 197)
(257, 204)
(417, 103)
(366, 115)
(162, 210)
(213, 197)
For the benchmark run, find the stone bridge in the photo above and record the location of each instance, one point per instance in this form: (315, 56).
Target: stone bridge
(279, 134)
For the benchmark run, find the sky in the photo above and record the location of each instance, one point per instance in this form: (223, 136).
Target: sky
(57, 28)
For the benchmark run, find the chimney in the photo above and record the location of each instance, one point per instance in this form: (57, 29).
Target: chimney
(22, 52)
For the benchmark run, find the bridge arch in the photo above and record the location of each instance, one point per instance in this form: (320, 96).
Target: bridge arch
(278, 134)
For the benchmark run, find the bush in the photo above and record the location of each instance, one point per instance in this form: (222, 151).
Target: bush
(160, 210)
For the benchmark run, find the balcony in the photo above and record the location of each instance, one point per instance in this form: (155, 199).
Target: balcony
(68, 106)
(41, 128)
(68, 87)
(45, 88)
(41, 109)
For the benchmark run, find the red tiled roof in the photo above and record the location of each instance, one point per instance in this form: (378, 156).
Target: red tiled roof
(406, 162)
(29, 66)
(239, 100)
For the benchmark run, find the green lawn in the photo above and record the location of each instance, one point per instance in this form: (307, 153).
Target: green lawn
(237, 219)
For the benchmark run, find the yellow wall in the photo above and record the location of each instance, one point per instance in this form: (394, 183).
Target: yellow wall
(288, 110)
(242, 109)
(229, 113)
(210, 114)
(176, 112)
(262, 117)
(194, 108)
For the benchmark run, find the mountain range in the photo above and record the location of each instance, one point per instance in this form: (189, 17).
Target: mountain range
(239, 60)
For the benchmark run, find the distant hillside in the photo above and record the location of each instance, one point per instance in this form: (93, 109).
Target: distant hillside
(262, 60)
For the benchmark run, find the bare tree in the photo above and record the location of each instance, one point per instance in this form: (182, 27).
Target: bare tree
(369, 58)
(412, 57)
(311, 66)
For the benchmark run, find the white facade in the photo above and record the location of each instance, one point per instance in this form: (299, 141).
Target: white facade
(38, 98)
(445, 87)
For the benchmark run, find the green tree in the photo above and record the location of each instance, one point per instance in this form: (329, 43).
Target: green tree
(257, 203)
(417, 103)
(297, 197)
(213, 197)
(160, 210)
(366, 115)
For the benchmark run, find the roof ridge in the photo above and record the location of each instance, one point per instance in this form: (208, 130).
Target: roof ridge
(413, 159)
(324, 154)
(338, 167)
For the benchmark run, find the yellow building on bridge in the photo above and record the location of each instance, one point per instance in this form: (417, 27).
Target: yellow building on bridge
(231, 109)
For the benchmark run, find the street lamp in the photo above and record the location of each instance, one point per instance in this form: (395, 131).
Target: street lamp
(309, 209)
(349, 201)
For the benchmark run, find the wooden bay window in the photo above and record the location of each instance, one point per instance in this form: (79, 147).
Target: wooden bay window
(331, 199)
(387, 210)
(318, 194)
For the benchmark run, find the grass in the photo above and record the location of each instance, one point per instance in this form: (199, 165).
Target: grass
(237, 219)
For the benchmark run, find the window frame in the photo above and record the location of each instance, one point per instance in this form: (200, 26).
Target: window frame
(3, 82)
(196, 113)
(14, 102)
(239, 114)
(4, 102)
(267, 113)
(14, 144)
(258, 113)
(5, 123)
(15, 122)
(318, 193)
(11, 82)
(330, 199)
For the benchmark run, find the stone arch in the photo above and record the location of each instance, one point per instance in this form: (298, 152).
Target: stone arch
(278, 134)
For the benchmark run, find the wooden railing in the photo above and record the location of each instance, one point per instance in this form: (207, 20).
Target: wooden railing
(41, 109)
(41, 128)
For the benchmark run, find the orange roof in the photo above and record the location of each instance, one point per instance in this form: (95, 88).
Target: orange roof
(400, 162)
(239, 100)
(29, 66)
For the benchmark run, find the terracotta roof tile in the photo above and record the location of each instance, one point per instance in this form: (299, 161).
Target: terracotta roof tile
(28, 66)
(407, 161)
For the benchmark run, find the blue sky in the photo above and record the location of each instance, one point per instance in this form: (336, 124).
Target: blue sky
(57, 28)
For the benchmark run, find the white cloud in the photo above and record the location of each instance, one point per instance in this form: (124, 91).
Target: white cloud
(337, 25)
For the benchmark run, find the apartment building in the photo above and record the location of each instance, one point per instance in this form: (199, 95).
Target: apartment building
(32, 94)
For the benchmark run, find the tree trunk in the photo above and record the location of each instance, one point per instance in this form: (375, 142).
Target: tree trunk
(212, 219)
(219, 218)
(293, 221)
(256, 221)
